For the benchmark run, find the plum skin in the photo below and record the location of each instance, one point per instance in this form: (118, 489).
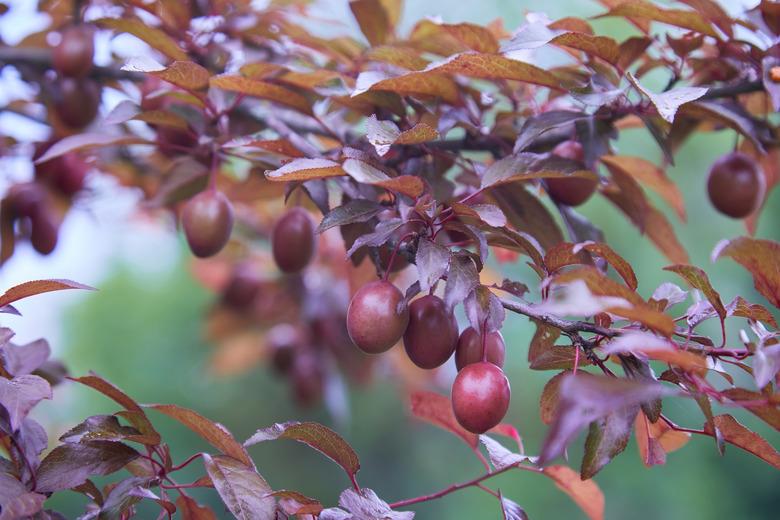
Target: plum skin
(432, 333)
(480, 396)
(377, 317)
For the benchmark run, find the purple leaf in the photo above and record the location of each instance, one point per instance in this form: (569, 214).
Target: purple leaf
(99, 428)
(315, 435)
(432, 261)
(484, 308)
(511, 509)
(382, 233)
(462, 277)
(20, 394)
(10, 488)
(357, 210)
(70, 465)
(22, 506)
(245, 493)
(366, 504)
(499, 456)
(766, 364)
(607, 437)
(25, 359)
(585, 398)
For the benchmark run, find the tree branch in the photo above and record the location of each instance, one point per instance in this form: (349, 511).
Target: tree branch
(566, 326)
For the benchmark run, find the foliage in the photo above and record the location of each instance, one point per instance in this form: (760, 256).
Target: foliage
(439, 148)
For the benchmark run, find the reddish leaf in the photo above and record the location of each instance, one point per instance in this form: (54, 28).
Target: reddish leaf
(621, 266)
(495, 66)
(743, 309)
(548, 402)
(134, 414)
(305, 170)
(644, 10)
(185, 74)
(262, 89)
(473, 37)
(769, 412)
(214, 433)
(585, 493)
(315, 435)
(27, 289)
(698, 279)
(243, 490)
(734, 433)
(655, 440)
(667, 103)
(423, 83)
(543, 354)
(154, 37)
(373, 20)
(437, 409)
(651, 176)
(432, 261)
(761, 258)
(87, 141)
(300, 504)
(599, 46)
(526, 213)
(408, 185)
(70, 465)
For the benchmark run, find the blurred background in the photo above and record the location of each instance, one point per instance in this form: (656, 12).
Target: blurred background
(143, 330)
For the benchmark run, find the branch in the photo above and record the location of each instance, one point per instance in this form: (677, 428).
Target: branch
(570, 328)
(41, 59)
(457, 487)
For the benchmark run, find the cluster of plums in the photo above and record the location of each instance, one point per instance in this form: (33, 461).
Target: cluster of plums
(29, 208)
(75, 97)
(379, 316)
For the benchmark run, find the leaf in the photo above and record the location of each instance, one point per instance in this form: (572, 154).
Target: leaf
(373, 20)
(495, 66)
(408, 185)
(24, 359)
(155, 38)
(698, 279)
(484, 309)
(88, 141)
(462, 277)
(733, 115)
(437, 409)
(618, 263)
(24, 505)
(650, 175)
(599, 46)
(213, 433)
(19, 395)
(667, 103)
(585, 398)
(768, 413)
(316, 436)
(734, 433)
(356, 210)
(305, 170)
(741, 308)
(70, 465)
(526, 213)
(185, 74)
(499, 456)
(365, 504)
(135, 414)
(607, 438)
(381, 235)
(432, 261)
(510, 509)
(422, 83)
(761, 258)
(473, 37)
(99, 428)
(245, 493)
(191, 510)
(299, 504)
(27, 289)
(262, 89)
(585, 493)
(536, 126)
(543, 354)
(645, 10)
(548, 402)
(655, 440)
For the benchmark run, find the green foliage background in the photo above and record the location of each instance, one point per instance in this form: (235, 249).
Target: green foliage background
(145, 335)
